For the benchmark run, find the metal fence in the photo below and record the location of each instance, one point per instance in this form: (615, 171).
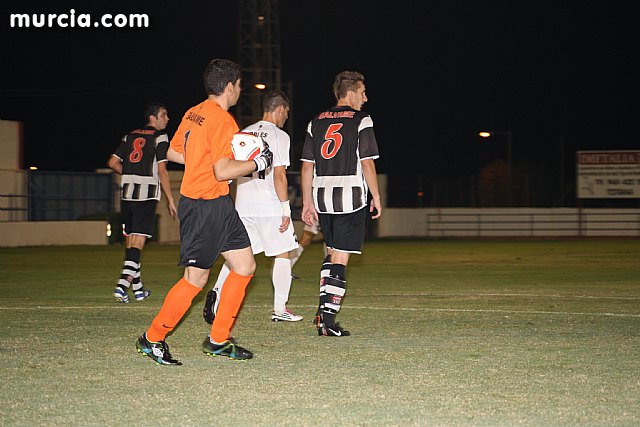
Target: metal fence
(59, 196)
(534, 223)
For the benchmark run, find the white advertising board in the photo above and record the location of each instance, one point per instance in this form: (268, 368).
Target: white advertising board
(608, 174)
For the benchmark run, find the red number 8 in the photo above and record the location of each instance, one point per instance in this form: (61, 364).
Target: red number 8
(136, 154)
(331, 135)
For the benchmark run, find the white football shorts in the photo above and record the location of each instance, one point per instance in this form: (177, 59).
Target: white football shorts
(265, 236)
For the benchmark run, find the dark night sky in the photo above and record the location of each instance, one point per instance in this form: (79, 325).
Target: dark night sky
(437, 72)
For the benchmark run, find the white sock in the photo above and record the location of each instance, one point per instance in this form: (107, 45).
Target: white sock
(222, 276)
(281, 278)
(295, 255)
(136, 285)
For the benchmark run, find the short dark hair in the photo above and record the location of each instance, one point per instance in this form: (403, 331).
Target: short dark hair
(218, 74)
(152, 108)
(273, 99)
(346, 81)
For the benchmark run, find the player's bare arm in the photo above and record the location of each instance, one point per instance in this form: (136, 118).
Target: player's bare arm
(115, 163)
(371, 177)
(165, 183)
(226, 169)
(174, 156)
(281, 187)
(309, 214)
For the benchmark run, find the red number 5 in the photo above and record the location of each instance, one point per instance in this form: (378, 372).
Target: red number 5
(136, 154)
(329, 150)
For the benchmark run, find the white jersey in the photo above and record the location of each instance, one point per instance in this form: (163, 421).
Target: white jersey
(256, 194)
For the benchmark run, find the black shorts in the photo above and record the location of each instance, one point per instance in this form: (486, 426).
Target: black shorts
(207, 228)
(344, 232)
(138, 217)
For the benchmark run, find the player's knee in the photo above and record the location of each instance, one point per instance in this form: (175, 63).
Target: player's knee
(246, 268)
(136, 241)
(196, 276)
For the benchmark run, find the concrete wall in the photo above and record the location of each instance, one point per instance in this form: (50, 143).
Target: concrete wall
(169, 229)
(509, 222)
(10, 145)
(46, 233)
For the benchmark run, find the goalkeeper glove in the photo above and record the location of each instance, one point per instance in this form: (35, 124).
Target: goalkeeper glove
(264, 160)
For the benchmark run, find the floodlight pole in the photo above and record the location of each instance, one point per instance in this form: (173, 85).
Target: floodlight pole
(509, 136)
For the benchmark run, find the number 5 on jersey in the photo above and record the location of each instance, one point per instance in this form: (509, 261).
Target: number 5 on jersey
(332, 141)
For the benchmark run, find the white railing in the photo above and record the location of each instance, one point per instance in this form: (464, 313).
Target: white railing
(514, 222)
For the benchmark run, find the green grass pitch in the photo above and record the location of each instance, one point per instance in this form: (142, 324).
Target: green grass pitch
(443, 333)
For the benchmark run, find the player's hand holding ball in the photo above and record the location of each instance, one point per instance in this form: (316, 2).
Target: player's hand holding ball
(247, 146)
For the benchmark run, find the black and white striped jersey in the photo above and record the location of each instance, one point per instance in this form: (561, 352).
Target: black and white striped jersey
(140, 152)
(337, 140)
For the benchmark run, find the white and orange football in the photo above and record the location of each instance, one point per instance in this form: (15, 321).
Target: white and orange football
(246, 146)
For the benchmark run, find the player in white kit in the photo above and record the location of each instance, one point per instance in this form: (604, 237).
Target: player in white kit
(263, 205)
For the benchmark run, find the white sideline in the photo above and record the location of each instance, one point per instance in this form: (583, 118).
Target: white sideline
(472, 310)
(515, 295)
(358, 307)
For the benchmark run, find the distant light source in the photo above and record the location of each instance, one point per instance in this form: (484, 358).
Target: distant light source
(420, 193)
(484, 134)
(108, 230)
(260, 86)
(33, 168)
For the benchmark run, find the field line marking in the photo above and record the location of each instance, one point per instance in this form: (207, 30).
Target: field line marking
(359, 307)
(515, 295)
(479, 310)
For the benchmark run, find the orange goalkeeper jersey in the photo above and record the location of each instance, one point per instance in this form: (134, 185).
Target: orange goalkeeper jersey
(204, 136)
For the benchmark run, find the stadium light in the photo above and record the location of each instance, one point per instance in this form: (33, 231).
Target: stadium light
(488, 134)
